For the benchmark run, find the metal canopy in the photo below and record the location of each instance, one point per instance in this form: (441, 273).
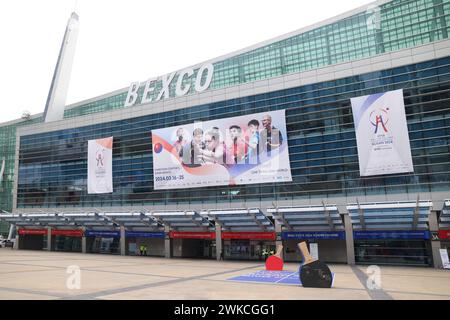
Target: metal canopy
(240, 219)
(95, 221)
(183, 220)
(308, 218)
(390, 215)
(133, 220)
(444, 219)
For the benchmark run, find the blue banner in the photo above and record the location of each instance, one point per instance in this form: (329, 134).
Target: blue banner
(141, 234)
(105, 234)
(316, 235)
(391, 235)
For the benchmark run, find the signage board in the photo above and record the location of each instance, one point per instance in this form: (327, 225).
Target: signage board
(100, 233)
(444, 258)
(185, 81)
(249, 235)
(407, 234)
(33, 232)
(140, 234)
(318, 235)
(444, 234)
(192, 235)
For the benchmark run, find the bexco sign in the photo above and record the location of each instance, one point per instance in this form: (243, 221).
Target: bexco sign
(180, 90)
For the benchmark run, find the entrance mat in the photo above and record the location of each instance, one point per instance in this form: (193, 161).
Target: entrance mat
(273, 277)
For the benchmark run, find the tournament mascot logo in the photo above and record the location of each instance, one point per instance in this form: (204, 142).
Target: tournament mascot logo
(380, 118)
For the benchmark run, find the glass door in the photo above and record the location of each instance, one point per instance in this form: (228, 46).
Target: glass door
(392, 252)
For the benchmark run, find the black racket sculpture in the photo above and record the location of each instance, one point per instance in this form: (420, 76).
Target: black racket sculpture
(313, 273)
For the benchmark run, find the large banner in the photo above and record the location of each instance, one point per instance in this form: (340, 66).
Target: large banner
(382, 134)
(232, 151)
(100, 165)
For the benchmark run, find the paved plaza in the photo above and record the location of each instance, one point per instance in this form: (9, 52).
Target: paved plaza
(46, 275)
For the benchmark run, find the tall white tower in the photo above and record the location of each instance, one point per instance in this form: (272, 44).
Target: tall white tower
(56, 100)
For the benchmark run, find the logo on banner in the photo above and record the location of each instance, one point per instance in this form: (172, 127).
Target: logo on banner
(100, 157)
(379, 118)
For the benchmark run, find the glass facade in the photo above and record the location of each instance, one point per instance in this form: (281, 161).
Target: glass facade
(7, 152)
(396, 25)
(321, 137)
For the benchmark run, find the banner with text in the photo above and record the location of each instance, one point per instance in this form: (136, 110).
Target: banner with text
(382, 134)
(232, 151)
(100, 165)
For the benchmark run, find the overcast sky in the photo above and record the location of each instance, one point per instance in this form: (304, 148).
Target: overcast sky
(124, 41)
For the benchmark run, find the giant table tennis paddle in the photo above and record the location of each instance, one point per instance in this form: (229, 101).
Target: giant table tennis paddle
(275, 262)
(313, 273)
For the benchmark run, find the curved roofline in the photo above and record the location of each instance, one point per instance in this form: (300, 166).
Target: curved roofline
(322, 23)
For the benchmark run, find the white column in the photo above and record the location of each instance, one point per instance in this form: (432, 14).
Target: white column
(218, 241)
(350, 245)
(435, 245)
(17, 239)
(167, 243)
(122, 240)
(49, 239)
(83, 241)
(12, 230)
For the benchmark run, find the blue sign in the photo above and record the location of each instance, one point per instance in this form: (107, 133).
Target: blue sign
(105, 234)
(391, 235)
(140, 234)
(317, 235)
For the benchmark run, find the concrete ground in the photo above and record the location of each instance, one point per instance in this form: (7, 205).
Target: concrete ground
(44, 275)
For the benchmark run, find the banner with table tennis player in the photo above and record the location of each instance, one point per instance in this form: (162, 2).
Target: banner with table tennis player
(231, 151)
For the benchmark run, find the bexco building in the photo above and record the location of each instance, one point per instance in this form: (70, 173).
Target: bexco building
(337, 134)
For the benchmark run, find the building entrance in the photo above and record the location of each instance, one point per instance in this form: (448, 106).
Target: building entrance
(103, 245)
(33, 242)
(393, 252)
(194, 248)
(152, 246)
(247, 249)
(66, 243)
